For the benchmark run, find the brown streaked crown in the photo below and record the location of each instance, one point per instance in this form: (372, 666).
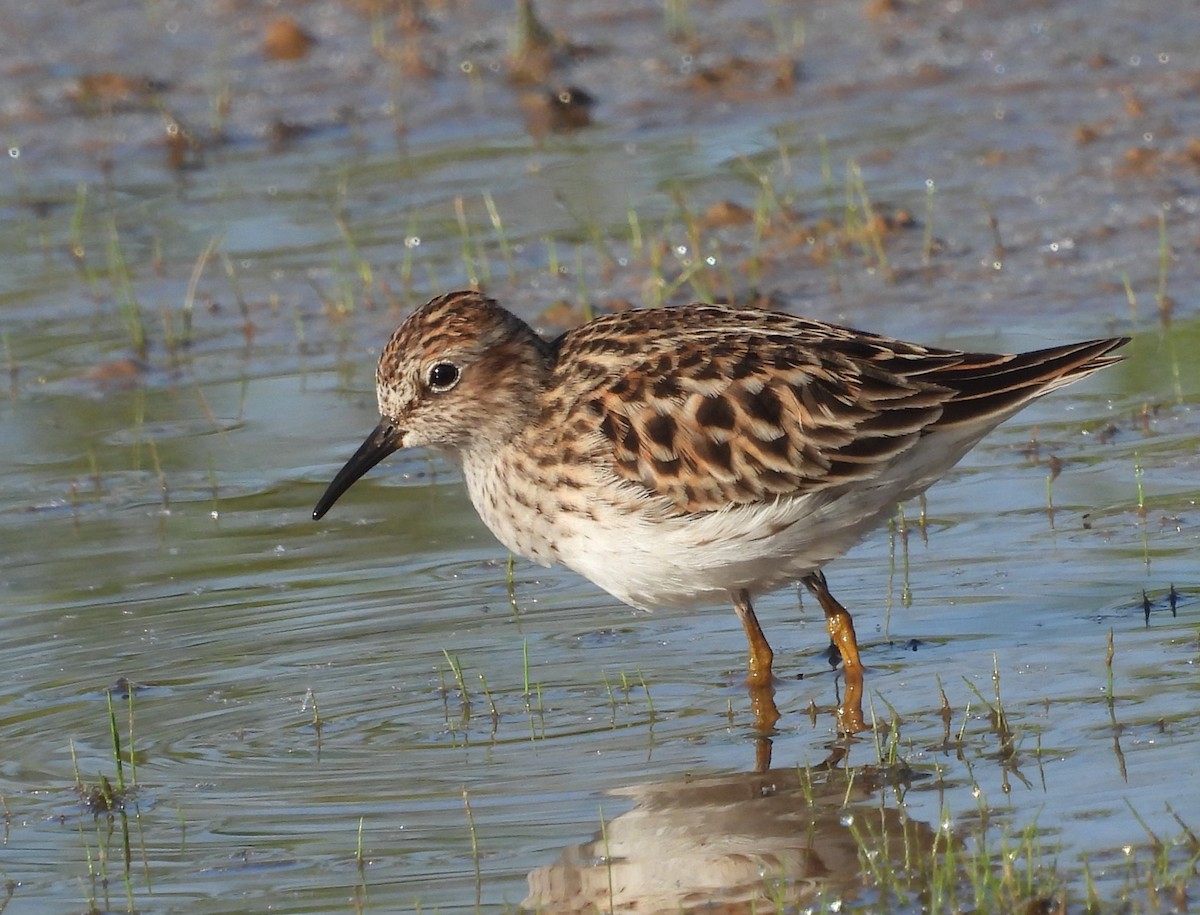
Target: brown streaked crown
(501, 366)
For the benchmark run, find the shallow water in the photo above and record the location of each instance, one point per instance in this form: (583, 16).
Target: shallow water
(294, 681)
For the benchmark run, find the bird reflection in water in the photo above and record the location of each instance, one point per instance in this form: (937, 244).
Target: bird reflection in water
(736, 843)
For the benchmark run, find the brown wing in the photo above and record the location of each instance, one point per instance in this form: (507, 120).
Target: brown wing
(729, 415)
(730, 407)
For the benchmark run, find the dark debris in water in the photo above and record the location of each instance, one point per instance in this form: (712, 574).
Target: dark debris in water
(123, 688)
(563, 110)
(251, 860)
(117, 375)
(104, 797)
(285, 39)
(1168, 600)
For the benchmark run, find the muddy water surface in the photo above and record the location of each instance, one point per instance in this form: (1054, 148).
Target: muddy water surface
(204, 250)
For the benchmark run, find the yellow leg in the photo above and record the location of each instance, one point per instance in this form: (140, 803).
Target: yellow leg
(850, 713)
(759, 679)
(838, 620)
(841, 630)
(760, 650)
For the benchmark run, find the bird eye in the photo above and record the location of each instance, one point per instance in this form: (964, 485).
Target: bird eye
(442, 377)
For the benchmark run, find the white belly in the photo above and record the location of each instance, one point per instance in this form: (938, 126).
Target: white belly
(700, 559)
(649, 557)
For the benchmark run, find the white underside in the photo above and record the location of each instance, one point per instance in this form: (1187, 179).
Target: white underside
(651, 562)
(680, 562)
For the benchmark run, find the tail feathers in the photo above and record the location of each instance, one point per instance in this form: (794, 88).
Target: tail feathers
(994, 387)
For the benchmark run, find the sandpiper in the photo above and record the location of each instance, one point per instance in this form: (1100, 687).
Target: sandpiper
(697, 453)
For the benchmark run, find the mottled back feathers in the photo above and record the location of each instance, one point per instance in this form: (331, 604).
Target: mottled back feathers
(710, 406)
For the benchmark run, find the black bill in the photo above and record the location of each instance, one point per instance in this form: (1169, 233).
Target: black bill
(379, 444)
